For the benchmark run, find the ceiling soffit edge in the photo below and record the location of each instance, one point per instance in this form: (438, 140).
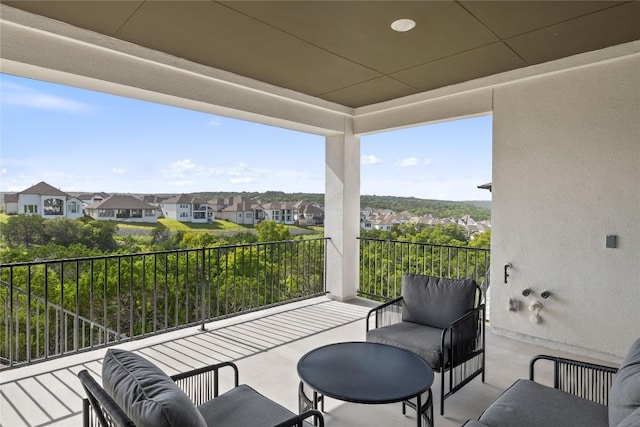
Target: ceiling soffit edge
(508, 77)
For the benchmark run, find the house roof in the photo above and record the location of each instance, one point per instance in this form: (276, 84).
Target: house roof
(311, 209)
(245, 206)
(345, 52)
(152, 198)
(44, 189)
(10, 198)
(121, 201)
(183, 198)
(277, 205)
(89, 196)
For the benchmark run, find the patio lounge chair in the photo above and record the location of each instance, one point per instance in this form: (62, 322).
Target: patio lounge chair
(582, 394)
(441, 320)
(137, 393)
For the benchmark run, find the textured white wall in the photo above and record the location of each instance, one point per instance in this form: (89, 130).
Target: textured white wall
(566, 173)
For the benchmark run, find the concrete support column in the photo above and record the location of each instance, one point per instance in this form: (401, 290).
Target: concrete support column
(342, 212)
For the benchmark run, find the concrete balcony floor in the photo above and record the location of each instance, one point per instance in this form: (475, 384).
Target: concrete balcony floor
(266, 346)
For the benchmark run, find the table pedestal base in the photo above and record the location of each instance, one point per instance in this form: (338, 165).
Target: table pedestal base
(425, 411)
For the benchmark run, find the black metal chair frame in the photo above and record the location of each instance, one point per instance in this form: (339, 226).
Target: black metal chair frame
(465, 359)
(583, 379)
(201, 385)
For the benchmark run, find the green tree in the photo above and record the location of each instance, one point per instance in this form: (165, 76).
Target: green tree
(100, 235)
(63, 231)
(192, 239)
(481, 240)
(271, 231)
(160, 233)
(27, 230)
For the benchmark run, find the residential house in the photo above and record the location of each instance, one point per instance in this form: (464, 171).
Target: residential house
(386, 222)
(154, 199)
(123, 208)
(186, 208)
(91, 198)
(309, 213)
(242, 211)
(10, 203)
(280, 212)
(47, 201)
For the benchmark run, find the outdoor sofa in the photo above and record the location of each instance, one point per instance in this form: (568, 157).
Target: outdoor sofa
(583, 395)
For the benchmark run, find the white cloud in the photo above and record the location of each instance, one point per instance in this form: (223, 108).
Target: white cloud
(186, 168)
(118, 171)
(13, 94)
(428, 161)
(370, 159)
(242, 180)
(3, 171)
(215, 121)
(407, 163)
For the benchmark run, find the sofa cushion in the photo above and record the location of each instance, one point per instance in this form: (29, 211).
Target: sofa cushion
(243, 406)
(419, 339)
(434, 301)
(145, 393)
(633, 420)
(530, 404)
(624, 397)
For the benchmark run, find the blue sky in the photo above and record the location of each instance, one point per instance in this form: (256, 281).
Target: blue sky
(79, 140)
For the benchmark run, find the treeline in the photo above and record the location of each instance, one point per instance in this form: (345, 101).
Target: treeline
(85, 299)
(449, 234)
(478, 209)
(30, 237)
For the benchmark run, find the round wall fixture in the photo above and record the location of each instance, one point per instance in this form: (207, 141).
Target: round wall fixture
(403, 25)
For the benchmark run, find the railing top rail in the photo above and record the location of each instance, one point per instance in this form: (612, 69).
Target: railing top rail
(423, 243)
(131, 255)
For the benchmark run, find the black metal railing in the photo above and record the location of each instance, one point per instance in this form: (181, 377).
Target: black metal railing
(53, 308)
(383, 262)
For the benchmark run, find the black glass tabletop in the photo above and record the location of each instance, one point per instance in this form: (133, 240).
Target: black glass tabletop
(363, 372)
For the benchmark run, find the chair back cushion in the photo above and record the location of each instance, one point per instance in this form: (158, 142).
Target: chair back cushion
(624, 397)
(434, 301)
(148, 396)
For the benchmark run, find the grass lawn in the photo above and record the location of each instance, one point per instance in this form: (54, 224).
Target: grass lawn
(174, 225)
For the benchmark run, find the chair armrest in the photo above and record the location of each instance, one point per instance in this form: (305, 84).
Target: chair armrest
(297, 420)
(465, 336)
(583, 379)
(386, 313)
(202, 384)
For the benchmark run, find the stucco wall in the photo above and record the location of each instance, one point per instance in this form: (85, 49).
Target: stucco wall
(566, 173)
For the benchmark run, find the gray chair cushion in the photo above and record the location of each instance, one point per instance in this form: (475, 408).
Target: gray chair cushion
(435, 301)
(633, 420)
(530, 404)
(145, 393)
(243, 406)
(624, 397)
(422, 340)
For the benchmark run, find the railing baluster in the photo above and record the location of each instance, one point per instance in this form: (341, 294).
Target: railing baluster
(40, 327)
(381, 269)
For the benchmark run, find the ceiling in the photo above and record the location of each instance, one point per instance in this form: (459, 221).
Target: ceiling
(345, 51)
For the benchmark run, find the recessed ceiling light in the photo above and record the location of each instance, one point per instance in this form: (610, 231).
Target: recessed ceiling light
(402, 25)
